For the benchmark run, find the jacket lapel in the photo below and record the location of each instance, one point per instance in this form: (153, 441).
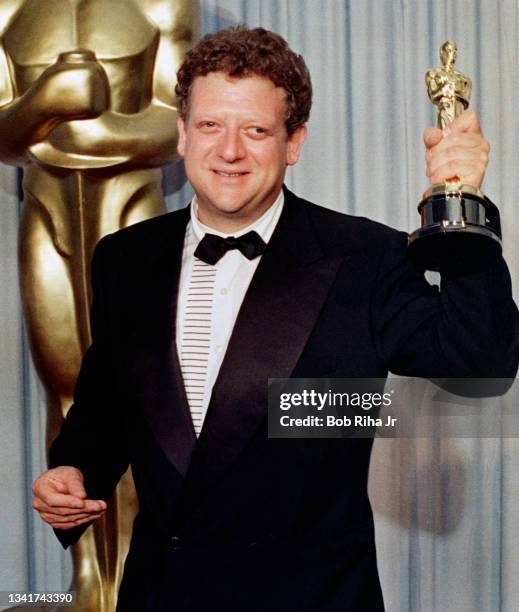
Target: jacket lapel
(156, 369)
(276, 318)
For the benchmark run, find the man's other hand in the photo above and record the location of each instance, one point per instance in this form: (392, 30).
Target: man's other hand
(459, 150)
(60, 498)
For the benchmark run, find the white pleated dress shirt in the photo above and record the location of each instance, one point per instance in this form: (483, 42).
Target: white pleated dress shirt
(233, 274)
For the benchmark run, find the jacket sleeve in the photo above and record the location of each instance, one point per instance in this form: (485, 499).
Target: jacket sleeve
(466, 328)
(92, 437)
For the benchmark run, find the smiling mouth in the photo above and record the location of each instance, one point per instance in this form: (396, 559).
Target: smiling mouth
(229, 174)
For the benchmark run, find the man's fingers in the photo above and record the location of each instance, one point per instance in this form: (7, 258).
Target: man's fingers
(466, 122)
(75, 487)
(454, 156)
(76, 523)
(62, 486)
(462, 151)
(41, 506)
(459, 140)
(60, 499)
(432, 136)
(68, 480)
(49, 497)
(60, 509)
(95, 505)
(471, 173)
(51, 518)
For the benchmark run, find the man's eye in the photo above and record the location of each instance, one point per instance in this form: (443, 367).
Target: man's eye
(207, 125)
(257, 132)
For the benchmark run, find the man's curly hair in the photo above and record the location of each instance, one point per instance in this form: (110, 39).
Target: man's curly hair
(242, 52)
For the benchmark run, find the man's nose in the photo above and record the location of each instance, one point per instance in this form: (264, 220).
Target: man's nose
(230, 146)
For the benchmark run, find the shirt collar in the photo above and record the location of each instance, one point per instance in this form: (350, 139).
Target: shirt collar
(264, 226)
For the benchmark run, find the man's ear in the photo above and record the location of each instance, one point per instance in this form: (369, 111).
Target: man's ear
(295, 144)
(181, 127)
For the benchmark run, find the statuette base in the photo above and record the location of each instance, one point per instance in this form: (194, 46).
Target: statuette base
(460, 228)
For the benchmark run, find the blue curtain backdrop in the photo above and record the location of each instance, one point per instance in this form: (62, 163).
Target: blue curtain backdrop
(447, 509)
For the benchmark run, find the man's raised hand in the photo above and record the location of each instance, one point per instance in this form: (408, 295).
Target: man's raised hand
(460, 150)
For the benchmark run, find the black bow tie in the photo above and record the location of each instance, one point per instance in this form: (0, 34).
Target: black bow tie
(212, 248)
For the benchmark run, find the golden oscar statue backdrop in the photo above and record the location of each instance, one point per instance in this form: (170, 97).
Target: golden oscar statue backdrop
(87, 108)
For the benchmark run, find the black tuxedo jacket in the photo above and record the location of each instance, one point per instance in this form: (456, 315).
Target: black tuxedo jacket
(236, 521)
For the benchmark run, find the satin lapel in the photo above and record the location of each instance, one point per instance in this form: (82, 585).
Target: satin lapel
(278, 313)
(158, 378)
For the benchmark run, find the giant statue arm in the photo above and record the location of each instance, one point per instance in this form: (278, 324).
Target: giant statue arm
(144, 139)
(61, 93)
(64, 91)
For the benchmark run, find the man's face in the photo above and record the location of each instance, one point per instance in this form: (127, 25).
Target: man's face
(236, 148)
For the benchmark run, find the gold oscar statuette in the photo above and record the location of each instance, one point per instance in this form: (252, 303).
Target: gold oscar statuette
(459, 225)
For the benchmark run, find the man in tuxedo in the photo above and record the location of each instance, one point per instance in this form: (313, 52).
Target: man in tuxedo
(195, 310)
